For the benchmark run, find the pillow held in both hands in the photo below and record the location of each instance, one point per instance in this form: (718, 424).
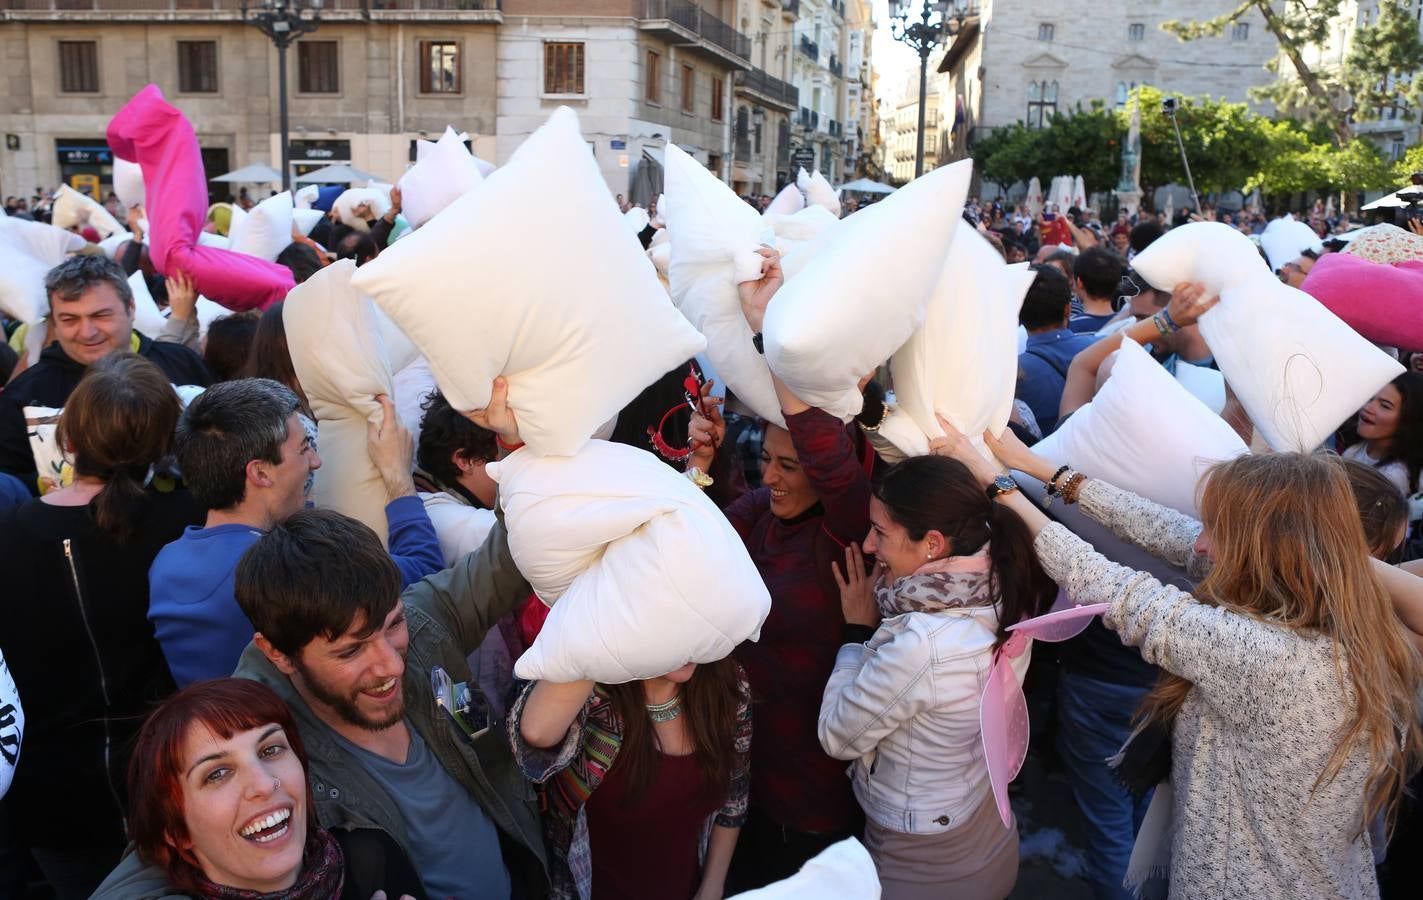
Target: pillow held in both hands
(442, 172)
(72, 208)
(1144, 433)
(266, 229)
(577, 340)
(865, 292)
(643, 573)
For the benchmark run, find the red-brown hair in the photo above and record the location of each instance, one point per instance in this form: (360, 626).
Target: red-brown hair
(226, 706)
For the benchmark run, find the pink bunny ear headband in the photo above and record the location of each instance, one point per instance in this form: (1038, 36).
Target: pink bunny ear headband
(1003, 711)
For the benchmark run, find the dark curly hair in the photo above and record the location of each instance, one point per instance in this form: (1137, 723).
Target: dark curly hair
(443, 432)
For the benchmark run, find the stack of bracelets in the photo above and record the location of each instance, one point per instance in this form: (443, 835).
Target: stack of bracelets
(1164, 323)
(1069, 488)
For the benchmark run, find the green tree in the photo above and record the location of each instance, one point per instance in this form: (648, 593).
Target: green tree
(1082, 142)
(1008, 155)
(1378, 70)
(1412, 162)
(1225, 142)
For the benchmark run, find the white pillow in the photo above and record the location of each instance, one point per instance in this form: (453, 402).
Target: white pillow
(128, 184)
(345, 206)
(844, 871)
(577, 340)
(818, 191)
(604, 538)
(636, 219)
(788, 202)
(110, 245)
(28, 250)
(46, 244)
(801, 236)
(212, 239)
(306, 219)
(1144, 433)
(440, 175)
(460, 527)
(72, 208)
(341, 363)
(208, 311)
(1286, 239)
(865, 292)
(305, 196)
(714, 237)
(1206, 385)
(962, 362)
(1211, 253)
(266, 230)
(1298, 370)
(147, 317)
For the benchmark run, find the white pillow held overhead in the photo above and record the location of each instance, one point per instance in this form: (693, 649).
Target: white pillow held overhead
(603, 537)
(1145, 433)
(818, 191)
(577, 340)
(345, 206)
(1286, 239)
(128, 184)
(440, 175)
(266, 230)
(865, 292)
(72, 209)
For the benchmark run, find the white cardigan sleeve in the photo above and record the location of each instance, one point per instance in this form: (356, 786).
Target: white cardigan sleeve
(12, 726)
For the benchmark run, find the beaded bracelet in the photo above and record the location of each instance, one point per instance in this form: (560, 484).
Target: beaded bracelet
(1161, 325)
(1052, 482)
(1073, 488)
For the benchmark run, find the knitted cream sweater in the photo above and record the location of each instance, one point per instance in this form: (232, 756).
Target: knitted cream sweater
(1254, 733)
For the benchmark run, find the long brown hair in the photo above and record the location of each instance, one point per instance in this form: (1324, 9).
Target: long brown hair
(269, 357)
(709, 703)
(117, 423)
(1289, 548)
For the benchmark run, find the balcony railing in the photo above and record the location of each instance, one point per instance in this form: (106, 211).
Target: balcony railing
(700, 22)
(836, 129)
(759, 81)
(808, 118)
(836, 67)
(809, 48)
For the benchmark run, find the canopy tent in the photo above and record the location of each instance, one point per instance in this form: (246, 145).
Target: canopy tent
(866, 186)
(1393, 201)
(341, 174)
(257, 173)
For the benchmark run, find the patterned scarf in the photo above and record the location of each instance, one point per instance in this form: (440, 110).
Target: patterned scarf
(955, 582)
(323, 872)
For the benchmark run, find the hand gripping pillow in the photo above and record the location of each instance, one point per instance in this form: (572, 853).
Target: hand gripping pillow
(440, 175)
(1384, 303)
(341, 363)
(72, 209)
(128, 184)
(345, 206)
(1296, 368)
(962, 363)
(1144, 433)
(266, 230)
(577, 340)
(844, 871)
(28, 250)
(1211, 253)
(714, 237)
(818, 191)
(155, 135)
(623, 548)
(865, 292)
(788, 202)
(1286, 239)
(801, 236)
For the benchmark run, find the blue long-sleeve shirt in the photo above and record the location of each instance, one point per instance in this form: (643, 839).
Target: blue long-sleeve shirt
(192, 606)
(1042, 370)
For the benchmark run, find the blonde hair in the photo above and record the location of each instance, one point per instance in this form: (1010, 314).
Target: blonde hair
(1288, 547)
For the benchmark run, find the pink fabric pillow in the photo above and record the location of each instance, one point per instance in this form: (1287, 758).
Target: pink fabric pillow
(153, 133)
(1384, 303)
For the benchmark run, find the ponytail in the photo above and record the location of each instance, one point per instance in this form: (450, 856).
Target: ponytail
(118, 508)
(1019, 582)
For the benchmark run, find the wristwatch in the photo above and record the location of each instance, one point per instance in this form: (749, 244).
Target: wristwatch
(1001, 485)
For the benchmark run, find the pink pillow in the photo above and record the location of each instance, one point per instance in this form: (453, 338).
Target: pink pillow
(153, 133)
(1384, 303)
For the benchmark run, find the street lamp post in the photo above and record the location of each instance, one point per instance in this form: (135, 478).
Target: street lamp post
(938, 20)
(284, 21)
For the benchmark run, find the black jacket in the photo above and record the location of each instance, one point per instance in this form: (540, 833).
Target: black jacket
(51, 380)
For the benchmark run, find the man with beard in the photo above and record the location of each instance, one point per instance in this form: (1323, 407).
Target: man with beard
(395, 731)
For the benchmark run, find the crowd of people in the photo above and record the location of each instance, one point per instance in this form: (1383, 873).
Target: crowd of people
(224, 689)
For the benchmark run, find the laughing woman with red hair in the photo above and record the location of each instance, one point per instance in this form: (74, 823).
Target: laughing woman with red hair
(222, 805)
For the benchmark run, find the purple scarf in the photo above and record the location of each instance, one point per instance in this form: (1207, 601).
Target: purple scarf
(323, 873)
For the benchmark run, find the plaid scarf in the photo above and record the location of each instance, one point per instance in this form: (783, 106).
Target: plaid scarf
(323, 873)
(951, 583)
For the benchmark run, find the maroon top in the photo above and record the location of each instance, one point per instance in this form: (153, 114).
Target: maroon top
(793, 781)
(650, 849)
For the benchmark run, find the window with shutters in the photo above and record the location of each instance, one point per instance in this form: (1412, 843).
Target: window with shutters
(79, 67)
(653, 74)
(318, 67)
(563, 67)
(718, 110)
(689, 89)
(197, 67)
(439, 67)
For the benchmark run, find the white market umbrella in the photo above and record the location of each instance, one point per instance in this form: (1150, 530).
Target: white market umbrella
(866, 186)
(1391, 201)
(257, 173)
(339, 174)
(1034, 200)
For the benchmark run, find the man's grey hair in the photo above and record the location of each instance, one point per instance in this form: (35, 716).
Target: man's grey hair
(77, 275)
(226, 427)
